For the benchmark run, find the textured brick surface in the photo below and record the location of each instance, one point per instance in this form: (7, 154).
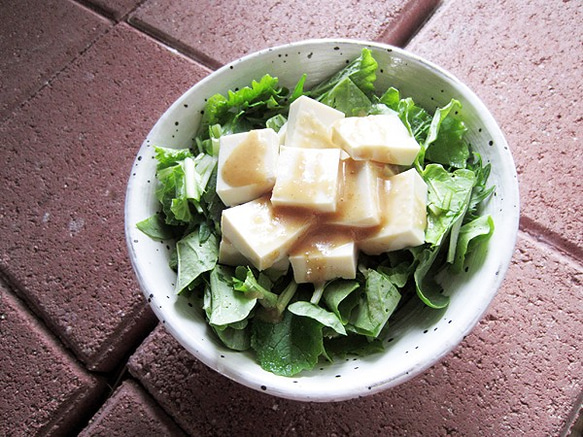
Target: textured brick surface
(221, 31)
(44, 391)
(116, 9)
(525, 60)
(131, 412)
(518, 373)
(37, 42)
(64, 180)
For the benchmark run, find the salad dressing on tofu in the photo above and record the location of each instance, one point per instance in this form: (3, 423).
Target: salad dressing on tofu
(340, 195)
(306, 233)
(246, 163)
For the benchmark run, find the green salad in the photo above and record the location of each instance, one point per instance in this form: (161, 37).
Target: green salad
(290, 326)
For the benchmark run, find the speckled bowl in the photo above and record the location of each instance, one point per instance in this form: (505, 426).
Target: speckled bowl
(419, 336)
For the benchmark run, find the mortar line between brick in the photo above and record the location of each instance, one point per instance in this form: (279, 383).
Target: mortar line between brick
(172, 43)
(57, 73)
(565, 256)
(409, 22)
(574, 420)
(550, 239)
(11, 288)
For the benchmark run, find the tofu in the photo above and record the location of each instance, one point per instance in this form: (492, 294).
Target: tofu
(325, 254)
(403, 199)
(358, 198)
(262, 234)
(246, 165)
(230, 256)
(307, 178)
(382, 138)
(309, 123)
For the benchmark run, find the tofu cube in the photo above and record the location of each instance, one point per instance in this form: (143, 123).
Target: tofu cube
(246, 165)
(307, 178)
(358, 197)
(383, 138)
(262, 234)
(309, 123)
(230, 256)
(403, 200)
(326, 254)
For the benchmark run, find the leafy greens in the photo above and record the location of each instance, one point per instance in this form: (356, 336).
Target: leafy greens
(289, 326)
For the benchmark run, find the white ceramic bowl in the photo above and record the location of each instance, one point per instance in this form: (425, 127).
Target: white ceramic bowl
(419, 336)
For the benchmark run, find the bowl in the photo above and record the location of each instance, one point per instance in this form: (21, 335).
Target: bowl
(419, 336)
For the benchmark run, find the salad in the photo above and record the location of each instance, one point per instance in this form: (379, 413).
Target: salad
(288, 317)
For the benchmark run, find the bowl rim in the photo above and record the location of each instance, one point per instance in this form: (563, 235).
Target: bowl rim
(342, 392)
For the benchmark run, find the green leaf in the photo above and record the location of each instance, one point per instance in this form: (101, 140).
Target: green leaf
(167, 157)
(156, 228)
(276, 122)
(245, 281)
(434, 132)
(348, 98)
(236, 339)
(342, 346)
(361, 72)
(398, 275)
(313, 311)
(427, 289)
(448, 197)
(339, 297)
(227, 306)
(288, 347)
(471, 236)
(194, 258)
(449, 147)
(378, 302)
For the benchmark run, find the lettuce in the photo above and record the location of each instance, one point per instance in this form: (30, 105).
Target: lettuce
(291, 326)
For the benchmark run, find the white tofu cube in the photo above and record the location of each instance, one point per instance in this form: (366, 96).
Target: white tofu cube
(358, 197)
(262, 234)
(246, 165)
(383, 138)
(307, 178)
(230, 256)
(326, 254)
(403, 215)
(309, 123)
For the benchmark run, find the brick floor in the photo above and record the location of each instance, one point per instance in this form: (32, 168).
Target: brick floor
(62, 211)
(131, 411)
(212, 30)
(505, 377)
(516, 57)
(45, 391)
(47, 38)
(81, 84)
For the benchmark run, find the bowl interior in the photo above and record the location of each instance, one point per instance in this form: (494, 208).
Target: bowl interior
(419, 336)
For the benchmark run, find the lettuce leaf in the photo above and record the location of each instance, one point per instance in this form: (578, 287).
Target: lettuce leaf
(361, 72)
(288, 347)
(377, 303)
(195, 257)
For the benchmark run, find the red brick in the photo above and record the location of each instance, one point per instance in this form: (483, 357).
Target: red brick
(67, 156)
(525, 60)
(44, 390)
(116, 9)
(220, 31)
(519, 372)
(39, 41)
(130, 411)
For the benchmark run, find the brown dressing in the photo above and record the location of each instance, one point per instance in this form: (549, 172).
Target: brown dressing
(246, 163)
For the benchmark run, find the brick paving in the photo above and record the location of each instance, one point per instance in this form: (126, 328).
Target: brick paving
(81, 84)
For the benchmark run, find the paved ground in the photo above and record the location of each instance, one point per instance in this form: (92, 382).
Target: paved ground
(81, 84)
